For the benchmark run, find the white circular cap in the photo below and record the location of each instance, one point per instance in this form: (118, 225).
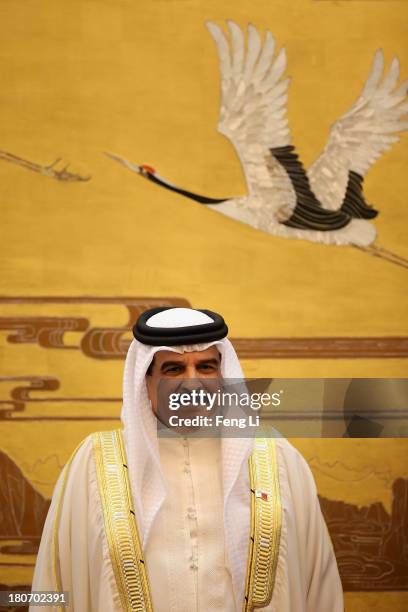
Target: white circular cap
(178, 317)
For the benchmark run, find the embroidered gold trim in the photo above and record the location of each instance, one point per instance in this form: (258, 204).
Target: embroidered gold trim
(266, 524)
(120, 523)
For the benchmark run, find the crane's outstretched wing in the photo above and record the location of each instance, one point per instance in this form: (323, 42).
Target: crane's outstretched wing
(253, 108)
(253, 117)
(254, 92)
(358, 139)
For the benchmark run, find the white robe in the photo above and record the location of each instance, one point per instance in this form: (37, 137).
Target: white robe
(307, 578)
(186, 551)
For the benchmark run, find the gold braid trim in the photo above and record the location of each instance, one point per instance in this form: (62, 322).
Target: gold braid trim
(120, 522)
(266, 523)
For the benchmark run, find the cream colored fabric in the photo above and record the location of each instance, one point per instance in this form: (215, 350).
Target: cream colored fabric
(145, 471)
(307, 578)
(185, 554)
(84, 561)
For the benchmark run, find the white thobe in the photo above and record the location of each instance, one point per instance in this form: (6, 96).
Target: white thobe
(185, 554)
(188, 531)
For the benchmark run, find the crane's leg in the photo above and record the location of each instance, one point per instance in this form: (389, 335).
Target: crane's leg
(385, 254)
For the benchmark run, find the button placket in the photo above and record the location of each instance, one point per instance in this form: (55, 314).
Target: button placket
(191, 512)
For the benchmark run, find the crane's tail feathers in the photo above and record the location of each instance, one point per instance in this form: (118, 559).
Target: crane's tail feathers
(378, 251)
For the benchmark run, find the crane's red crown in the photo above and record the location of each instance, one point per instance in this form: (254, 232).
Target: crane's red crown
(148, 169)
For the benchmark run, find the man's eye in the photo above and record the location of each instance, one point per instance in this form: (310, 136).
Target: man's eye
(172, 369)
(207, 366)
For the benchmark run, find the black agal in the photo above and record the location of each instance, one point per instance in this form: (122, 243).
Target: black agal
(168, 326)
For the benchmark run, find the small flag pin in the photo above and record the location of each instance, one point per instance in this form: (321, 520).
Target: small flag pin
(261, 494)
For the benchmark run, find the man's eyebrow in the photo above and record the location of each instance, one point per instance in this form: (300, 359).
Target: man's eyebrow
(171, 363)
(211, 360)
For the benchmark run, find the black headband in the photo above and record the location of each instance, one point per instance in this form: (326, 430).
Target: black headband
(173, 336)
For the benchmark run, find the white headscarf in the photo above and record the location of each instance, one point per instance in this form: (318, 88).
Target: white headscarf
(146, 478)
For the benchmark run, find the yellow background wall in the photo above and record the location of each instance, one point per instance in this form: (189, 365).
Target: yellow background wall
(140, 79)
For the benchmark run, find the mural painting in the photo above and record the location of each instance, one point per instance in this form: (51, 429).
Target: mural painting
(91, 83)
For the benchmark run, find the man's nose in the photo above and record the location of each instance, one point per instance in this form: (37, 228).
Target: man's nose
(191, 380)
(191, 372)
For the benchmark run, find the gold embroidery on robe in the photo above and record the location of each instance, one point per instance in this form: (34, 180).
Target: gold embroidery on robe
(123, 538)
(120, 522)
(266, 524)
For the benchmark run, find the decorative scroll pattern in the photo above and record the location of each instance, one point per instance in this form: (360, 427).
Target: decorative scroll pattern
(112, 343)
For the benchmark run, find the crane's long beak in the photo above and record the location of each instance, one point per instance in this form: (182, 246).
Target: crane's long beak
(151, 175)
(124, 162)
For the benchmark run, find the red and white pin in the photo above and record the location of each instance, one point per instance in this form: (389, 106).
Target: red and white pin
(261, 494)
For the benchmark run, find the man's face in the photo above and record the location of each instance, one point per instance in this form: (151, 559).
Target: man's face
(182, 372)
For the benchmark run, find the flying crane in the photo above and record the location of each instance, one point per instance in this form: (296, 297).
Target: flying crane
(326, 202)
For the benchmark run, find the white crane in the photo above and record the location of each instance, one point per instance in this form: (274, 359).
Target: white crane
(326, 203)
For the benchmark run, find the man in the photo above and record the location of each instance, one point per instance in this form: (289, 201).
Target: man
(185, 524)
